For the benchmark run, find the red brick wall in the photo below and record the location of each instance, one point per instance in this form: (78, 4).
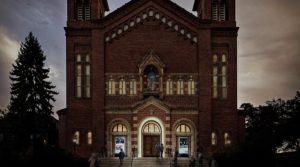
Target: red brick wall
(124, 54)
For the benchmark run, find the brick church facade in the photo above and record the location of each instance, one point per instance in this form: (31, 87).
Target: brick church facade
(150, 73)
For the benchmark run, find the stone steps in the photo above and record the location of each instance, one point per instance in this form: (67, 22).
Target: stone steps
(147, 162)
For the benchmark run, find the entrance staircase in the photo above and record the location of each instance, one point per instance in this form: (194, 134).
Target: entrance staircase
(147, 162)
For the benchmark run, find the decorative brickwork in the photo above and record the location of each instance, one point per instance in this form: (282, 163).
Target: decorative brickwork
(149, 79)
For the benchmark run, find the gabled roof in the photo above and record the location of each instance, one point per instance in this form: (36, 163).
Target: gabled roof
(123, 9)
(150, 101)
(165, 12)
(153, 59)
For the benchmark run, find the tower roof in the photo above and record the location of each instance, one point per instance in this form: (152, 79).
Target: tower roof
(196, 4)
(106, 7)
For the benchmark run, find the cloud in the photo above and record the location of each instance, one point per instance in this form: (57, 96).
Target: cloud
(269, 52)
(268, 44)
(46, 20)
(8, 53)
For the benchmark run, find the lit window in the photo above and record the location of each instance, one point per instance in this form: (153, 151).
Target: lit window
(133, 87)
(78, 80)
(111, 87)
(183, 128)
(213, 138)
(87, 81)
(89, 138)
(224, 76)
(122, 87)
(220, 76)
(151, 128)
(227, 140)
(191, 87)
(215, 58)
(119, 128)
(180, 87)
(169, 87)
(76, 138)
(83, 76)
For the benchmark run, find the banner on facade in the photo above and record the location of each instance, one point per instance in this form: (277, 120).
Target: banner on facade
(119, 144)
(183, 145)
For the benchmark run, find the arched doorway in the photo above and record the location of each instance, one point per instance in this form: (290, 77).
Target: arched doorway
(118, 137)
(151, 137)
(184, 137)
(151, 132)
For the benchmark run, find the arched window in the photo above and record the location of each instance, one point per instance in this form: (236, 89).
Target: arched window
(87, 76)
(119, 128)
(83, 75)
(213, 138)
(220, 85)
(169, 87)
(151, 128)
(78, 76)
(151, 73)
(191, 87)
(76, 137)
(122, 87)
(224, 76)
(133, 87)
(180, 87)
(111, 87)
(183, 128)
(215, 58)
(89, 138)
(227, 140)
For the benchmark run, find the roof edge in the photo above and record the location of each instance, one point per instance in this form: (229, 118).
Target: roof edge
(106, 7)
(195, 6)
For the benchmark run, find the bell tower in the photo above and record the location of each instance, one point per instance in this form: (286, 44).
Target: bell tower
(86, 10)
(216, 10)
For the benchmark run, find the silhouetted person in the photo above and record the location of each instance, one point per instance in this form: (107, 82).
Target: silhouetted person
(121, 156)
(192, 162)
(92, 159)
(97, 161)
(161, 149)
(157, 150)
(200, 158)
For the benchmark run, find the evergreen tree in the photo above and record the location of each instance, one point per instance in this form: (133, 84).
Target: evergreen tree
(31, 93)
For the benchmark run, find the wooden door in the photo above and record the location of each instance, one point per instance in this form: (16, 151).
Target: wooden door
(149, 145)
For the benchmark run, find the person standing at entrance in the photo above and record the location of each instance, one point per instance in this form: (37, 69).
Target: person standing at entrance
(121, 156)
(161, 150)
(157, 150)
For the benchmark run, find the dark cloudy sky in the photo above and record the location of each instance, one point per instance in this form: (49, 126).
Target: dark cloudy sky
(268, 44)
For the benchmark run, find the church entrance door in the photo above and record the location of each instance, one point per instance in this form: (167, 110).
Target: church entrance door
(149, 145)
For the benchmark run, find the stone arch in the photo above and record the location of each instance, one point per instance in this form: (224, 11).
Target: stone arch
(140, 132)
(110, 134)
(193, 134)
